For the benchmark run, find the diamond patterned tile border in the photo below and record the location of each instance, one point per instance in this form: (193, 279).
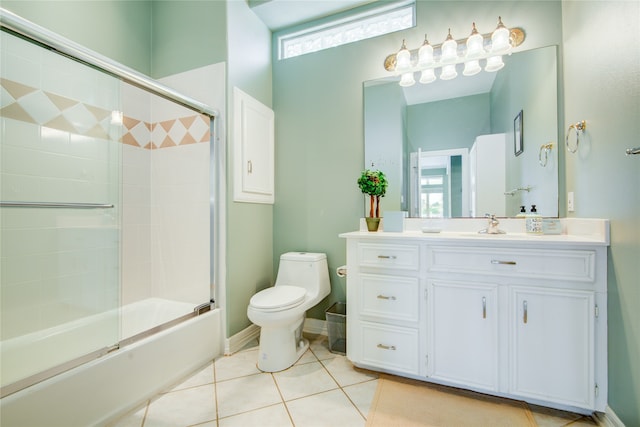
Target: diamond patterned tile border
(33, 105)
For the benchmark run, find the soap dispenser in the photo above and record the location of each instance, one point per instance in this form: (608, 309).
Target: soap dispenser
(534, 221)
(522, 213)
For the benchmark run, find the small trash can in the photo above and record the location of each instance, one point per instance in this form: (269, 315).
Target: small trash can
(337, 327)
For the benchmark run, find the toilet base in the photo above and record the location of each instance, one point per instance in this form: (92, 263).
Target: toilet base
(279, 349)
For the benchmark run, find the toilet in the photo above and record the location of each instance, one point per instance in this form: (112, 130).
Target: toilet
(302, 282)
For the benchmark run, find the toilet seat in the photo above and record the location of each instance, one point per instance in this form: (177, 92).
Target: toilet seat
(278, 298)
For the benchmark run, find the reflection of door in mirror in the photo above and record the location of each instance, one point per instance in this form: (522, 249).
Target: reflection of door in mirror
(487, 158)
(439, 183)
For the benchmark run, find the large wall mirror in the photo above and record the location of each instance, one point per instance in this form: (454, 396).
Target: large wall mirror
(469, 146)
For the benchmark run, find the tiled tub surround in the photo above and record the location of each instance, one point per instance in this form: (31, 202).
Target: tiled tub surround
(72, 134)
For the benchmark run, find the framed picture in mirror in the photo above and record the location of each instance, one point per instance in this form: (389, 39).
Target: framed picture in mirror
(518, 147)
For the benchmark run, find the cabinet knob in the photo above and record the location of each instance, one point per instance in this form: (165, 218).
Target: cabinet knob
(524, 311)
(387, 256)
(392, 298)
(484, 307)
(249, 167)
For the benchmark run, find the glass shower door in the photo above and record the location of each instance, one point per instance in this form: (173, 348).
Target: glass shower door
(60, 215)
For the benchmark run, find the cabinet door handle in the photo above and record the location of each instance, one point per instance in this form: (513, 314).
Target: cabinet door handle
(524, 311)
(387, 256)
(497, 261)
(392, 298)
(387, 347)
(249, 167)
(484, 307)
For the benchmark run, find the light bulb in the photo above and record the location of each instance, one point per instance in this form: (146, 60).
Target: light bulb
(448, 72)
(500, 42)
(471, 67)
(449, 49)
(407, 80)
(474, 44)
(425, 54)
(427, 76)
(494, 63)
(403, 59)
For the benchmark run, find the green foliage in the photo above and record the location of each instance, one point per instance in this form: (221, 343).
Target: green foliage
(373, 183)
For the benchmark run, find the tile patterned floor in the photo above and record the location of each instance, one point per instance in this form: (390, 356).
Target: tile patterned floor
(321, 390)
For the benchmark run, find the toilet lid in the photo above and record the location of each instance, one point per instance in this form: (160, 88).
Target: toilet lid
(278, 298)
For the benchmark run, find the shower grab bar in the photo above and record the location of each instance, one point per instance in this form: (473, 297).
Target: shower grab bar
(63, 45)
(55, 205)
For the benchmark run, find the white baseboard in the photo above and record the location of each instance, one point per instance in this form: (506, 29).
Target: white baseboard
(236, 342)
(608, 418)
(315, 326)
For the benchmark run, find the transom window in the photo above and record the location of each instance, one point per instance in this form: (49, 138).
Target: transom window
(372, 23)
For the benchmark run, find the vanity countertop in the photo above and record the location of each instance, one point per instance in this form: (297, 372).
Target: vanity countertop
(588, 232)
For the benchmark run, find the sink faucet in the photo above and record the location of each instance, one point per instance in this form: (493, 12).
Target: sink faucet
(493, 226)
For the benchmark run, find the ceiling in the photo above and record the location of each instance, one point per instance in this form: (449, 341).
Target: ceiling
(279, 14)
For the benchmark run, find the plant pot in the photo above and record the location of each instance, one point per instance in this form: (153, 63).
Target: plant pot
(372, 223)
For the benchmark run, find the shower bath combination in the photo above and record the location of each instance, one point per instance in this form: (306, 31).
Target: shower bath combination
(105, 231)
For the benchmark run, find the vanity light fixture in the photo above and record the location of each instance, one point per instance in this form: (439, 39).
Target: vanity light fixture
(488, 48)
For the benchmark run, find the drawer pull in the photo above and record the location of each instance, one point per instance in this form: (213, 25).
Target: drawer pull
(392, 298)
(484, 307)
(524, 311)
(497, 261)
(387, 256)
(387, 347)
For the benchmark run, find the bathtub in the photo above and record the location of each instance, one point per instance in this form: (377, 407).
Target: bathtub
(99, 390)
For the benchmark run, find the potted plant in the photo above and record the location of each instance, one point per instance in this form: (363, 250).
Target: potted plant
(373, 183)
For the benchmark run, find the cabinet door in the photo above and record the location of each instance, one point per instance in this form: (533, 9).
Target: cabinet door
(552, 349)
(464, 333)
(253, 136)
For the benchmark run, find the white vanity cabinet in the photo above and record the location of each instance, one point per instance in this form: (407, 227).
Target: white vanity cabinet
(385, 307)
(463, 333)
(520, 317)
(552, 345)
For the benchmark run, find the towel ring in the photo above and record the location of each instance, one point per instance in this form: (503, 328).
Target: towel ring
(579, 128)
(543, 155)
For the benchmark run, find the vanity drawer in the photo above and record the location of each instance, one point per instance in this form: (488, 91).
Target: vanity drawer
(390, 347)
(389, 298)
(404, 257)
(567, 265)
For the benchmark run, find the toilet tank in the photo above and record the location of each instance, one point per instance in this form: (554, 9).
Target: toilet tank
(305, 269)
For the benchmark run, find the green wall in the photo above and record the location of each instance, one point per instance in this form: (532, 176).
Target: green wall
(602, 86)
(384, 124)
(249, 243)
(120, 30)
(187, 34)
(449, 124)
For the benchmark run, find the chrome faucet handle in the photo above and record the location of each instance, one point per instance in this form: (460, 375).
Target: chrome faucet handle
(492, 228)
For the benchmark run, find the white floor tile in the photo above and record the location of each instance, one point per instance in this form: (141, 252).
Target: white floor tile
(272, 416)
(183, 408)
(344, 372)
(246, 394)
(238, 365)
(362, 395)
(307, 357)
(304, 380)
(320, 347)
(328, 409)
